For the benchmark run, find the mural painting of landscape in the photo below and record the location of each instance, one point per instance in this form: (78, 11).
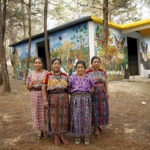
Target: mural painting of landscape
(19, 59)
(116, 55)
(70, 45)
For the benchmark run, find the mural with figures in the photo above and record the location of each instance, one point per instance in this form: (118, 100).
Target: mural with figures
(145, 53)
(116, 55)
(70, 45)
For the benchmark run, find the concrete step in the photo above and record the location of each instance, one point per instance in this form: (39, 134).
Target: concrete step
(138, 78)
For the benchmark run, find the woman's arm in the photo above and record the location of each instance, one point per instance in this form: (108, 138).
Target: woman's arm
(92, 91)
(28, 87)
(106, 86)
(44, 94)
(68, 89)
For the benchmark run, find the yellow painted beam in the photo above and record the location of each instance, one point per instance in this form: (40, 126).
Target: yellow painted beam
(122, 27)
(100, 21)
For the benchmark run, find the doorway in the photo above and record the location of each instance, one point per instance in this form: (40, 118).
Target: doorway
(41, 52)
(132, 56)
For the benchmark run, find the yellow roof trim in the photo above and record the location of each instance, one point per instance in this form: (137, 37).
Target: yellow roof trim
(122, 27)
(113, 25)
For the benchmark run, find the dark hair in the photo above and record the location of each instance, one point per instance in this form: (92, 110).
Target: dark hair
(95, 57)
(56, 59)
(81, 62)
(41, 59)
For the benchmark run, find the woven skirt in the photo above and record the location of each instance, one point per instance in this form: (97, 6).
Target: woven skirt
(80, 114)
(58, 113)
(100, 107)
(37, 110)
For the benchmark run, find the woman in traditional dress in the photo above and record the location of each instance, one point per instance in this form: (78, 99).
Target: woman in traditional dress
(56, 99)
(80, 103)
(100, 109)
(34, 85)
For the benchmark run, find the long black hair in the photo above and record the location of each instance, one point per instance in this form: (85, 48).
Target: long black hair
(41, 59)
(95, 57)
(81, 62)
(56, 59)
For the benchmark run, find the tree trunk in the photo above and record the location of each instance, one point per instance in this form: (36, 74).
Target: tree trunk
(24, 26)
(105, 29)
(4, 71)
(45, 36)
(29, 46)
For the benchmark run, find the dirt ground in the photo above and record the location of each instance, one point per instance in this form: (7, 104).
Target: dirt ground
(129, 127)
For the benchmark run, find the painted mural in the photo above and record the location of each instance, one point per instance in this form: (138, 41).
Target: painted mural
(145, 53)
(70, 45)
(116, 55)
(19, 58)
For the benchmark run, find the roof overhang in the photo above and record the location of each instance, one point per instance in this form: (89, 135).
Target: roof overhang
(143, 27)
(110, 24)
(58, 28)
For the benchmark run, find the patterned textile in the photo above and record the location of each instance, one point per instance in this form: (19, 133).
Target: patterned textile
(80, 105)
(56, 82)
(37, 110)
(58, 113)
(83, 84)
(97, 76)
(35, 80)
(58, 110)
(80, 113)
(100, 107)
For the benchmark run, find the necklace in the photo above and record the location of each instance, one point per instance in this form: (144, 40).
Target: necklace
(58, 77)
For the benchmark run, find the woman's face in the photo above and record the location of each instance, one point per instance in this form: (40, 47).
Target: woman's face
(56, 66)
(80, 69)
(96, 64)
(38, 64)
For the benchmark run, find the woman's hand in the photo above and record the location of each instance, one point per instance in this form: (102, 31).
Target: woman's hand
(107, 96)
(69, 90)
(44, 94)
(106, 86)
(28, 87)
(92, 91)
(45, 104)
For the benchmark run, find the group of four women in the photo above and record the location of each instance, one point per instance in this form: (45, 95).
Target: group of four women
(53, 111)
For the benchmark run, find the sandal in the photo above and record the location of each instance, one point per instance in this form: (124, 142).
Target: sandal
(41, 135)
(77, 140)
(100, 129)
(86, 141)
(64, 140)
(97, 132)
(57, 141)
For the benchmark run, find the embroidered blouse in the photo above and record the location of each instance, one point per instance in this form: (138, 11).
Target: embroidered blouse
(83, 84)
(99, 77)
(35, 79)
(56, 81)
